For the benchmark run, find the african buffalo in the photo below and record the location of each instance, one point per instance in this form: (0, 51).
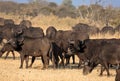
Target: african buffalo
(107, 29)
(51, 32)
(59, 40)
(34, 32)
(117, 78)
(1, 21)
(35, 47)
(85, 28)
(8, 21)
(98, 51)
(7, 32)
(117, 29)
(7, 47)
(81, 27)
(26, 23)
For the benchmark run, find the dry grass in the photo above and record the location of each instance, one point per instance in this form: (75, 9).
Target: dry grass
(9, 71)
(60, 23)
(46, 21)
(106, 36)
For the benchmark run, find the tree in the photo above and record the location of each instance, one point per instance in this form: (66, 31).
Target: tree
(67, 2)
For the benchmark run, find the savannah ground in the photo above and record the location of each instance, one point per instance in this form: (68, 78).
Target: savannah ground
(9, 68)
(9, 71)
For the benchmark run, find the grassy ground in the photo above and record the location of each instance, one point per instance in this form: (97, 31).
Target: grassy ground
(9, 71)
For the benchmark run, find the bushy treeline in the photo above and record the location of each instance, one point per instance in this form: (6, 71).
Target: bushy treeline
(93, 12)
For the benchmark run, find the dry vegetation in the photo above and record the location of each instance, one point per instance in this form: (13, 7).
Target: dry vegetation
(9, 71)
(61, 23)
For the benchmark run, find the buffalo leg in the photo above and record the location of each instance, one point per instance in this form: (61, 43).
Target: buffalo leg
(32, 61)
(13, 54)
(67, 60)
(53, 61)
(102, 70)
(42, 59)
(26, 59)
(80, 63)
(107, 69)
(62, 60)
(45, 64)
(7, 54)
(22, 60)
(73, 58)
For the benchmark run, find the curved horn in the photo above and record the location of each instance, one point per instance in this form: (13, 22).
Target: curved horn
(20, 31)
(9, 41)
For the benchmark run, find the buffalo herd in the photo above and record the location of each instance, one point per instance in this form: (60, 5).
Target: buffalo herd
(58, 46)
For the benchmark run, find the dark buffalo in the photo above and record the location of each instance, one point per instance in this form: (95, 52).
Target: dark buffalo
(51, 32)
(117, 78)
(54, 36)
(93, 30)
(26, 23)
(84, 28)
(117, 29)
(7, 33)
(81, 27)
(35, 47)
(108, 29)
(76, 37)
(98, 51)
(10, 30)
(34, 32)
(2, 21)
(7, 47)
(61, 39)
(8, 21)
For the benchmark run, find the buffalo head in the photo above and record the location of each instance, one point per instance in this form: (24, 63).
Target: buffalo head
(88, 67)
(76, 46)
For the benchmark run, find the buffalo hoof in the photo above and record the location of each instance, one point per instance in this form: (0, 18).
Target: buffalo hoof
(66, 64)
(13, 58)
(43, 68)
(29, 66)
(5, 58)
(108, 75)
(73, 62)
(100, 75)
(20, 67)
